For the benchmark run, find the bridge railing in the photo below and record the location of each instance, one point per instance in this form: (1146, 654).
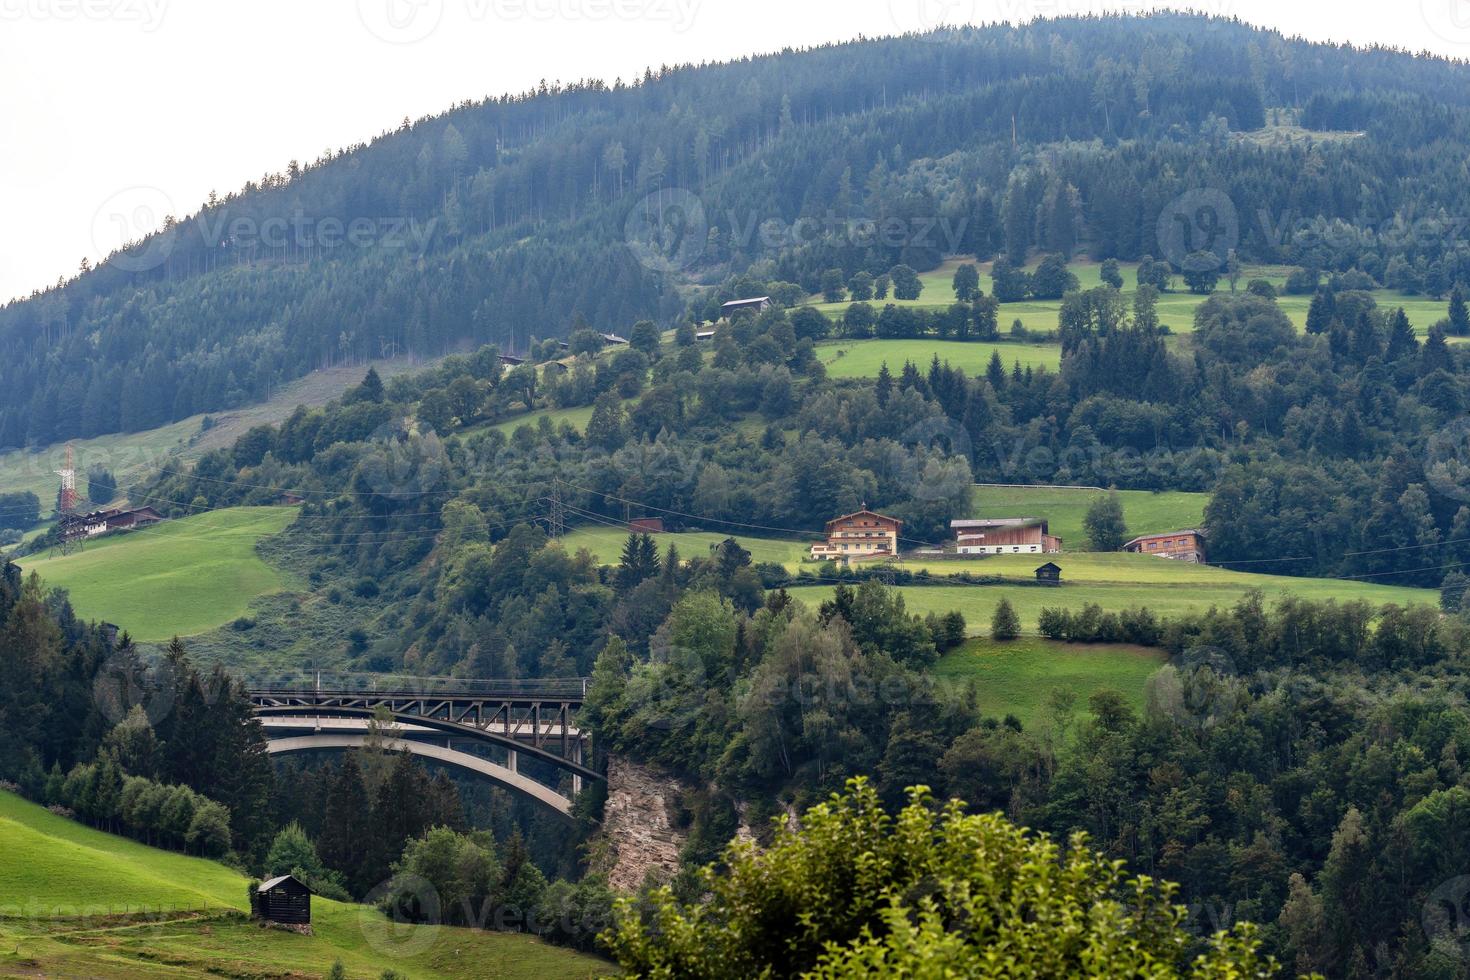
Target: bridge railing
(358, 683)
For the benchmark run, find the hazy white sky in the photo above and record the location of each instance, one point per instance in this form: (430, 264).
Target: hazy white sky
(114, 112)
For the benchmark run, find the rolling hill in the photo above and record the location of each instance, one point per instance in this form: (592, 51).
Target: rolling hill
(177, 578)
(70, 900)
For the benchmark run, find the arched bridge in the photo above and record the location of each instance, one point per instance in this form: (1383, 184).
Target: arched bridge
(522, 735)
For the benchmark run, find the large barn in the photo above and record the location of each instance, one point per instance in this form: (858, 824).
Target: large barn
(1005, 536)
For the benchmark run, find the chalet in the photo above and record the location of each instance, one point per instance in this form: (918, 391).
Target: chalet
(1005, 536)
(1049, 574)
(75, 527)
(859, 536)
(646, 525)
(704, 336)
(283, 900)
(612, 339)
(512, 360)
(754, 304)
(1188, 545)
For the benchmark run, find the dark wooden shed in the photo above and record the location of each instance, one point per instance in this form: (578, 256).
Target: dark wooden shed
(284, 900)
(1049, 574)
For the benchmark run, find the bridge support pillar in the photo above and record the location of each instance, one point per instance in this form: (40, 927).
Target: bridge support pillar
(510, 761)
(577, 758)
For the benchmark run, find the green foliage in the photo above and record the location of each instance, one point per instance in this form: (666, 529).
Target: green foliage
(925, 890)
(1106, 528)
(1005, 624)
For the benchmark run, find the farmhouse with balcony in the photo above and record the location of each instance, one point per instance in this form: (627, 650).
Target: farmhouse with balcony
(75, 527)
(1005, 536)
(855, 537)
(1186, 545)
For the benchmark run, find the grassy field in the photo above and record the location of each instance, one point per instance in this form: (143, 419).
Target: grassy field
(576, 417)
(863, 358)
(177, 578)
(69, 900)
(1015, 677)
(1176, 308)
(606, 545)
(1065, 507)
(1116, 582)
(133, 455)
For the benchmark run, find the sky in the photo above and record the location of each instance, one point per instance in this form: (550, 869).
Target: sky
(115, 113)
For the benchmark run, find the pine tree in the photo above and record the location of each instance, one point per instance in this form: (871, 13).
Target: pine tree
(1459, 315)
(1005, 624)
(884, 387)
(345, 823)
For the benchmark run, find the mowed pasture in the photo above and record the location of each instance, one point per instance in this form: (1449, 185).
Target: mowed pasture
(606, 545)
(1115, 582)
(864, 358)
(70, 900)
(1176, 307)
(1016, 676)
(178, 578)
(1064, 509)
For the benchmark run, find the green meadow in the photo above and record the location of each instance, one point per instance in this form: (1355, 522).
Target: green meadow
(864, 358)
(1176, 308)
(70, 900)
(1115, 582)
(1015, 677)
(1065, 507)
(177, 578)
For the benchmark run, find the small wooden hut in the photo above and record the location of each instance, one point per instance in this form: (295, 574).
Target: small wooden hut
(283, 900)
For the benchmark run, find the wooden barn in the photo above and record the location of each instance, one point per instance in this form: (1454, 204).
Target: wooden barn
(1049, 574)
(283, 900)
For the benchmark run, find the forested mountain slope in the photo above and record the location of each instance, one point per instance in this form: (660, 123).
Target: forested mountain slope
(506, 219)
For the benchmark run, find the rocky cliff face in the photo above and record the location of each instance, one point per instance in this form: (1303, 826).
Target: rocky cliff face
(636, 826)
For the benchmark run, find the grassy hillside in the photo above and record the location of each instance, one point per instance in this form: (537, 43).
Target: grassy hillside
(1176, 308)
(1065, 507)
(606, 544)
(863, 358)
(133, 455)
(1116, 582)
(177, 578)
(69, 899)
(1015, 677)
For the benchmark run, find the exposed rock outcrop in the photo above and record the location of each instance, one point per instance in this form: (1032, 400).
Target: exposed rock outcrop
(637, 826)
